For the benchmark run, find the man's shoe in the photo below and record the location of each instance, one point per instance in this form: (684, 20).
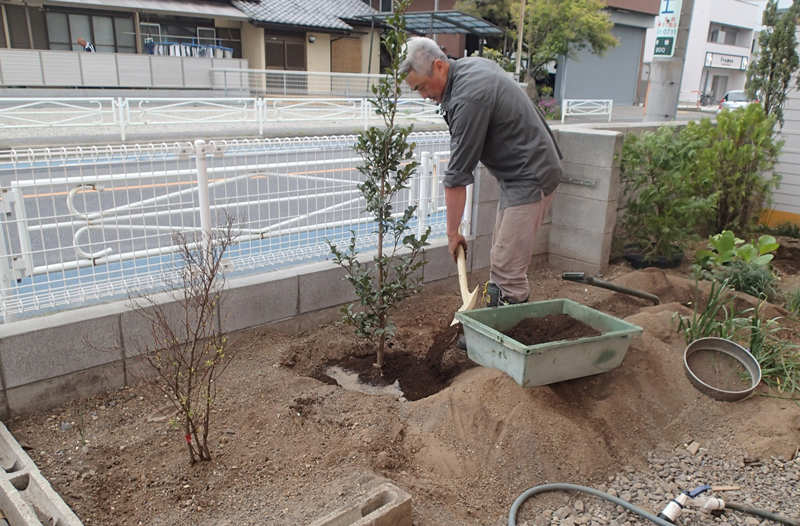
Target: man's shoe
(496, 296)
(462, 343)
(493, 291)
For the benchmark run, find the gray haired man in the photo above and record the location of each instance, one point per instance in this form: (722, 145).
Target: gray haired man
(493, 121)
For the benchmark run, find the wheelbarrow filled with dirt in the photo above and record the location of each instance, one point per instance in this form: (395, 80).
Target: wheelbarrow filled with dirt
(490, 335)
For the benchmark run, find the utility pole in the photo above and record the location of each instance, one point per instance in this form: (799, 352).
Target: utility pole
(666, 70)
(519, 37)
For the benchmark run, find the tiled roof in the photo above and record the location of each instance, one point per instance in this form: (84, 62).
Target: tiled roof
(327, 14)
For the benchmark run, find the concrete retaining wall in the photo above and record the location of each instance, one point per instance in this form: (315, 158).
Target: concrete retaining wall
(46, 361)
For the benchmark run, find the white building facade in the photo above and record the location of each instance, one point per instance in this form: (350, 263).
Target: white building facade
(719, 47)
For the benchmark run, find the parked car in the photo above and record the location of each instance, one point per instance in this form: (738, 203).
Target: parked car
(735, 99)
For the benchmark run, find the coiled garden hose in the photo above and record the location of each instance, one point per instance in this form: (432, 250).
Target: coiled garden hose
(512, 515)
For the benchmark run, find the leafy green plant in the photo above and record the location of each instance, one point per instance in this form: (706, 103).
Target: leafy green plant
(736, 155)
(793, 301)
(750, 278)
(745, 267)
(663, 191)
(497, 56)
(718, 318)
(779, 360)
(387, 168)
(725, 247)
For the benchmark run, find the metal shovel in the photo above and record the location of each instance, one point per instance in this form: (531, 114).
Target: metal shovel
(469, 298)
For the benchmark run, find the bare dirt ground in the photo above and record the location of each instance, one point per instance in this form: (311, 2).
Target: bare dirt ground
(289, 448)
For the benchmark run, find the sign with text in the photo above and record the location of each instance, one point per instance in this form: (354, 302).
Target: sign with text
(667, 27)
(716, 60)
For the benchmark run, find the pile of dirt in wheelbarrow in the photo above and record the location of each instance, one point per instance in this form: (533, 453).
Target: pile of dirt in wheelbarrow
(289, 448)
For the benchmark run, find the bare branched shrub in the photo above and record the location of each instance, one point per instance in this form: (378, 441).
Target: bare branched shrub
(188, 352)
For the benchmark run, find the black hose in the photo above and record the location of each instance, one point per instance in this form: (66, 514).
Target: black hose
(512, 515)
(761, 513)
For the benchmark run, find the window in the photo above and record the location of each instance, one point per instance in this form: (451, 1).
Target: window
(232, 38)
(206, 36)
(713, 35)
(386, 6)
(26, 28)
(286, 53)
(108, 33)
(17, 18)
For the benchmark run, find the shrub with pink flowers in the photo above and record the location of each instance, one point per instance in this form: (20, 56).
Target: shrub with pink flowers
(549, 108)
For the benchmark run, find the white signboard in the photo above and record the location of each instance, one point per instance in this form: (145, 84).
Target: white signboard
(716, 60)
(669, 15)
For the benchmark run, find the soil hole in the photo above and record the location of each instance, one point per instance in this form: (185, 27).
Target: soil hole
(417, 376)
(550, 328)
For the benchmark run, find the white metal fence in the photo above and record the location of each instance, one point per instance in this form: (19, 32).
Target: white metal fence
(586, 107)
(276, 83)
(83, 225)
(124, 113)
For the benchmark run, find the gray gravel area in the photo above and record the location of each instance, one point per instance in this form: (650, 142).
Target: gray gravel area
(770, 484)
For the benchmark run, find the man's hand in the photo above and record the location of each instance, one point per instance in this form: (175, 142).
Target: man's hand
(455, 199)
(453, 243)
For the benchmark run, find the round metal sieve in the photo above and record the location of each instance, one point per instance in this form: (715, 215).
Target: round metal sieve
(735, 351)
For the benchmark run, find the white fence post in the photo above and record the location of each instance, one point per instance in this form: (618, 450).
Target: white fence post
(260, 114)
(202, 191)
(422, 199)
(7, 278)
(121, 112)
(365, 110)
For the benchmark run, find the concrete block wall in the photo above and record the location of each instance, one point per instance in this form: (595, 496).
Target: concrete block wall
(46, 361)
(583, 217)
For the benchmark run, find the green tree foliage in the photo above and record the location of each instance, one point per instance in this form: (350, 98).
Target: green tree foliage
(564, 27)
(738, 153)
(499, 13)
(388, 167)
(552, 28)
(769, 76)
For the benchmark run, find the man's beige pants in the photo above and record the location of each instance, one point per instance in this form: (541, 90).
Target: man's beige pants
(512, 243)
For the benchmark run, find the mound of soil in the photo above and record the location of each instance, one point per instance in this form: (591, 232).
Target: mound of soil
(288, 448)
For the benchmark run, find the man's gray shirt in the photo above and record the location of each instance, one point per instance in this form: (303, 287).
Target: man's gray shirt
(492, 120)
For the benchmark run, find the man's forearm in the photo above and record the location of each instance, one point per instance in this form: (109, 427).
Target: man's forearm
(455, 199)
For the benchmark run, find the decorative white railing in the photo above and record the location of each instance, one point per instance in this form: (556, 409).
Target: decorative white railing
(84, 225)
(124, 113)
(574, 107)
(269, 83)
(58, 112)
